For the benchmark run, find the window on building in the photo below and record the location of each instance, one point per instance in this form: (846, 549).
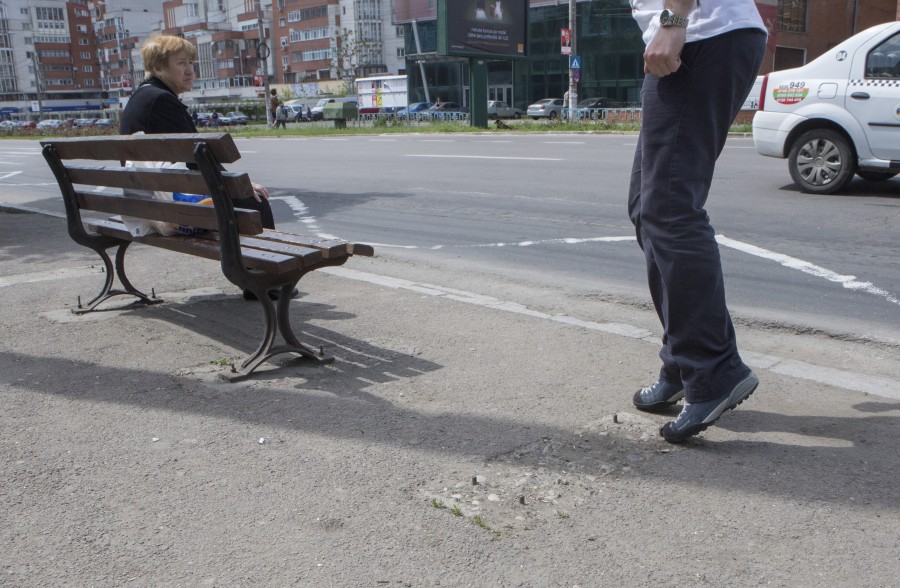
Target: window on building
(401, 52)
(82, 41)
(89, 82)
(190, 10)
(792, 16)
(88, 68)
(85, 54)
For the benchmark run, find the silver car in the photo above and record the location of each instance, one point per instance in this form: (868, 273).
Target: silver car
(547, 108)
(497, 109)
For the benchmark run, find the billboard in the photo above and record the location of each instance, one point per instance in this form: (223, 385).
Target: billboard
(482, 28)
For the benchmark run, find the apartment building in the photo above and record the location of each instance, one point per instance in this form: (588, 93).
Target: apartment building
(68, 55)
(311, 46)
(85, 54)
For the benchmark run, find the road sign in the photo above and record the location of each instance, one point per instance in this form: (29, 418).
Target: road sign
(574, 62)
(576, 75)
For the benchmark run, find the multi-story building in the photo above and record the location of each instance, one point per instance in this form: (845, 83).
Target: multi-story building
(610, 45)
(68, 55)
(119, 26)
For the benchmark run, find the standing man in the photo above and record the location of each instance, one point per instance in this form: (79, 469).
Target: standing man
(701, 59)
(274, 103)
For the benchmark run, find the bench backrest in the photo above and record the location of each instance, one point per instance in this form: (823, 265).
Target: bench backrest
(204, 153)
(217, 148)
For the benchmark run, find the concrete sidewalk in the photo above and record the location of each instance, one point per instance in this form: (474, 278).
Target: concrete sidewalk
(458, 440)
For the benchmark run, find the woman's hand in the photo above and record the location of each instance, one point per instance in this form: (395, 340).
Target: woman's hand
(259, 191)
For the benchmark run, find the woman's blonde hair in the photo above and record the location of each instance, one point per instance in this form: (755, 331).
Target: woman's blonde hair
(156, 51)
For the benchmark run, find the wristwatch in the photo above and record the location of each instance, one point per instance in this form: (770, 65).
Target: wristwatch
(667, 18)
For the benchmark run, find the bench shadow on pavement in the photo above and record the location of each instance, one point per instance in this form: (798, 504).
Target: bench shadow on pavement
(333, 402)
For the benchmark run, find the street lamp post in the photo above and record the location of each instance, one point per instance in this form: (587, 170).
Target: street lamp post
(573, 85)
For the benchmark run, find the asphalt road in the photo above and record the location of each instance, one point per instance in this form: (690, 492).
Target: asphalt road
(550, 209)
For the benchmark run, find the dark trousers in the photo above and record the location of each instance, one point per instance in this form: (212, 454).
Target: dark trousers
(685, 121)
(265, 210)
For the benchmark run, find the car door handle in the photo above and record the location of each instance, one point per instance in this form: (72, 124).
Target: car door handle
(860, 95)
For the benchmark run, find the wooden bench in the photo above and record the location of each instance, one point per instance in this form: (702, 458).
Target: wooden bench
(252, 258)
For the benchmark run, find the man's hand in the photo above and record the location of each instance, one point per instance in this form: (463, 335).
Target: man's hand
(259, 192)
(663, 55)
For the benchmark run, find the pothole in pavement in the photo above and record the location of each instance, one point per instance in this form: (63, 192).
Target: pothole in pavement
(549, 478)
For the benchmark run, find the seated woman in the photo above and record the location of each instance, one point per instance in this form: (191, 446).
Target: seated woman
(155, 108)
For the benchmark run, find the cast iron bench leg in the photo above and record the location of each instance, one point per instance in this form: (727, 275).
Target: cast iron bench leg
(276, 321)
(108, 292)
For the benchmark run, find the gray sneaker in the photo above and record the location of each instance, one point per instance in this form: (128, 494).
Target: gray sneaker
(697, 416)
(659, 396)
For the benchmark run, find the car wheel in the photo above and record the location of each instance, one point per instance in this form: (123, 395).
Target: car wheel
(821, 161)
(553, 114)
(517, 115)
(871, 176)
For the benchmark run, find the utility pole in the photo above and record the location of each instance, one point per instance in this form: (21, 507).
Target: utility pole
(573, 85)
(262, 53)
(37, 82)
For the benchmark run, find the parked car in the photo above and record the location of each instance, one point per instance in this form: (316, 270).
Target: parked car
(413, 109)
(51, 123)
(203, 118)
(837, 115)
(445, 111)
(547, 108)
(497, 109)
(318, 111)
(297, 113)
(238, 118)
(83, 122)
(105, 123)
(593, 107)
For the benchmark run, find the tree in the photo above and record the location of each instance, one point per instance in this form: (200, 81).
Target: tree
(349, 56)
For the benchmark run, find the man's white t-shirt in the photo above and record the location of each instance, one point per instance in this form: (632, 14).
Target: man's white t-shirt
(710, 18)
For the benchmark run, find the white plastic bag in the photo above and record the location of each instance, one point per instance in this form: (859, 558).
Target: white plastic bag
(139, 227)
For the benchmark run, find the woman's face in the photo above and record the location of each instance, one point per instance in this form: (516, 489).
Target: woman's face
(178, 73)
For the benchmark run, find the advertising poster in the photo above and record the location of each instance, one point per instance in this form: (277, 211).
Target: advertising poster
(565, 41)
(482, 27)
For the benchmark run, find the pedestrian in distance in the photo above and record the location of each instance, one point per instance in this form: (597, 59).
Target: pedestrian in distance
(274, 103)
(281, 117)
(700, 62)
(155, 108)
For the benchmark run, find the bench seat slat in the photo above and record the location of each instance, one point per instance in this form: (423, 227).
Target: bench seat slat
(329, 247)
(268, 261)
(166, 180)
(311, 255)
(171, 147)
(177, 213)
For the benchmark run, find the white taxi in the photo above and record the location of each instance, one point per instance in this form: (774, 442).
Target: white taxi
(838, 115)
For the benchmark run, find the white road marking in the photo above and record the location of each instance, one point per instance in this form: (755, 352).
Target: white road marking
(849, 282)
(59, 274)
(875, 385)
(563, 142)
(6, 175)
(483, 157)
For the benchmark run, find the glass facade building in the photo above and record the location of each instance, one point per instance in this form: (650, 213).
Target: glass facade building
(607, 39)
